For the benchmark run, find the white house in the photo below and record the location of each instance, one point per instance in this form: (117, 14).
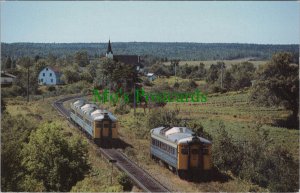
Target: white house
(6, 78)
(151, 76)
(50, 76)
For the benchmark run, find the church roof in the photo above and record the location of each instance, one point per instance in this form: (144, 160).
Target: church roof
(127, 59)
(109, 48)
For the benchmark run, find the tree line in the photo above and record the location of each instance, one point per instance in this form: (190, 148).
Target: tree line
(167, 51)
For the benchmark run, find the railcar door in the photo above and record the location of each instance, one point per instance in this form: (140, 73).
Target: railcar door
(195, 156)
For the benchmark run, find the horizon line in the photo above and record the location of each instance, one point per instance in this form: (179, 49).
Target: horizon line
(148, 42)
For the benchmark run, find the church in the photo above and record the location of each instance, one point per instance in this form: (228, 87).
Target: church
(125, 59)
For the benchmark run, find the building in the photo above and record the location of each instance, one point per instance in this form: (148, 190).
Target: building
(50, 76)
(151, 76)
(125, 59)
(7, 79)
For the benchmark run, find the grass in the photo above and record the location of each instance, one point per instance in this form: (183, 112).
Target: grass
(228, 63)
(172, 79)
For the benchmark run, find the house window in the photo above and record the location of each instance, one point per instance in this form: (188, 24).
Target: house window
(51, 80)
(50, 74)
(43, 74)
(47, 69)
(42, 80)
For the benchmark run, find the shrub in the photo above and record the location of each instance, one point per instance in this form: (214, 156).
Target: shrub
(225, 152)
(161, 117)
(256, 160)
(125, 182)
(176, 85)
(147, 82)
(62, 162)
(122, 108)
(197, 127)
(51, 88)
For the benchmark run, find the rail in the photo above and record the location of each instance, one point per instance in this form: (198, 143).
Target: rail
(139, 176)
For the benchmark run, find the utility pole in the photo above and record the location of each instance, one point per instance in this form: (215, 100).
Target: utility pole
(112, 161)
(222, 76)
(134, 105)
(175, 73)
(28, 83)
(175, 64)
(222, 69)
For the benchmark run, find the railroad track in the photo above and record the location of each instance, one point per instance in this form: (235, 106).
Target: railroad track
(139, 176)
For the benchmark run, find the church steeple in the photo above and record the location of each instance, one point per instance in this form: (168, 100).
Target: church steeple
(109, 52)
(109, 48)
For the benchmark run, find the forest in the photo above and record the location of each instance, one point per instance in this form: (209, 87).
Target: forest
(177, 50)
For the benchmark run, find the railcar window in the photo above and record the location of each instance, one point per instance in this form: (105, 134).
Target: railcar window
(98, 124)
(205, 151)
(184, 151)
(194, 151)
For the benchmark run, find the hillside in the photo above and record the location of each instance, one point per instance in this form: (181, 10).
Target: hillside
(182, 51)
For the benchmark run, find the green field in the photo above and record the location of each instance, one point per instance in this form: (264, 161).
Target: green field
(228, 63)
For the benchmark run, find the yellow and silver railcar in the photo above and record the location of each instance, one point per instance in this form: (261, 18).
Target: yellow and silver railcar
(100, 125)
(181, 149)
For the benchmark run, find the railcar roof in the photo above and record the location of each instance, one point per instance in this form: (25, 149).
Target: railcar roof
(177, 134)
(92, 111)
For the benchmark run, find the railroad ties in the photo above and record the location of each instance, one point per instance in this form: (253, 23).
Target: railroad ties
(139, 176)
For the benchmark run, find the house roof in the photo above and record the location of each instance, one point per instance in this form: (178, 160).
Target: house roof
(54, 69)
(150, 74)
(5, 74)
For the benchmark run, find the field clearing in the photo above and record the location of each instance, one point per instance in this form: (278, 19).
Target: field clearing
(228, 63)
(240, 117)
(172, 79)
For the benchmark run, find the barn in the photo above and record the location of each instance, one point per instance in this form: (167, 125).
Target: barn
(50, 76)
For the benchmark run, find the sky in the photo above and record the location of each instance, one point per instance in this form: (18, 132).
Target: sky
(144, 21)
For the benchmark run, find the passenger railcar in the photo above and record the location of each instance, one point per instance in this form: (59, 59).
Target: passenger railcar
(181, 150)
(100, 125)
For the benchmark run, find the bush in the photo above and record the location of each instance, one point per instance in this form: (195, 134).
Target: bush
(256, 160)
(225, 152)
(15, 133)
(161, 117)
(51, 88)
(125, 182)
(60, 165)
(147, 82)
(197, 127)
(176, 85)
(122, 108)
